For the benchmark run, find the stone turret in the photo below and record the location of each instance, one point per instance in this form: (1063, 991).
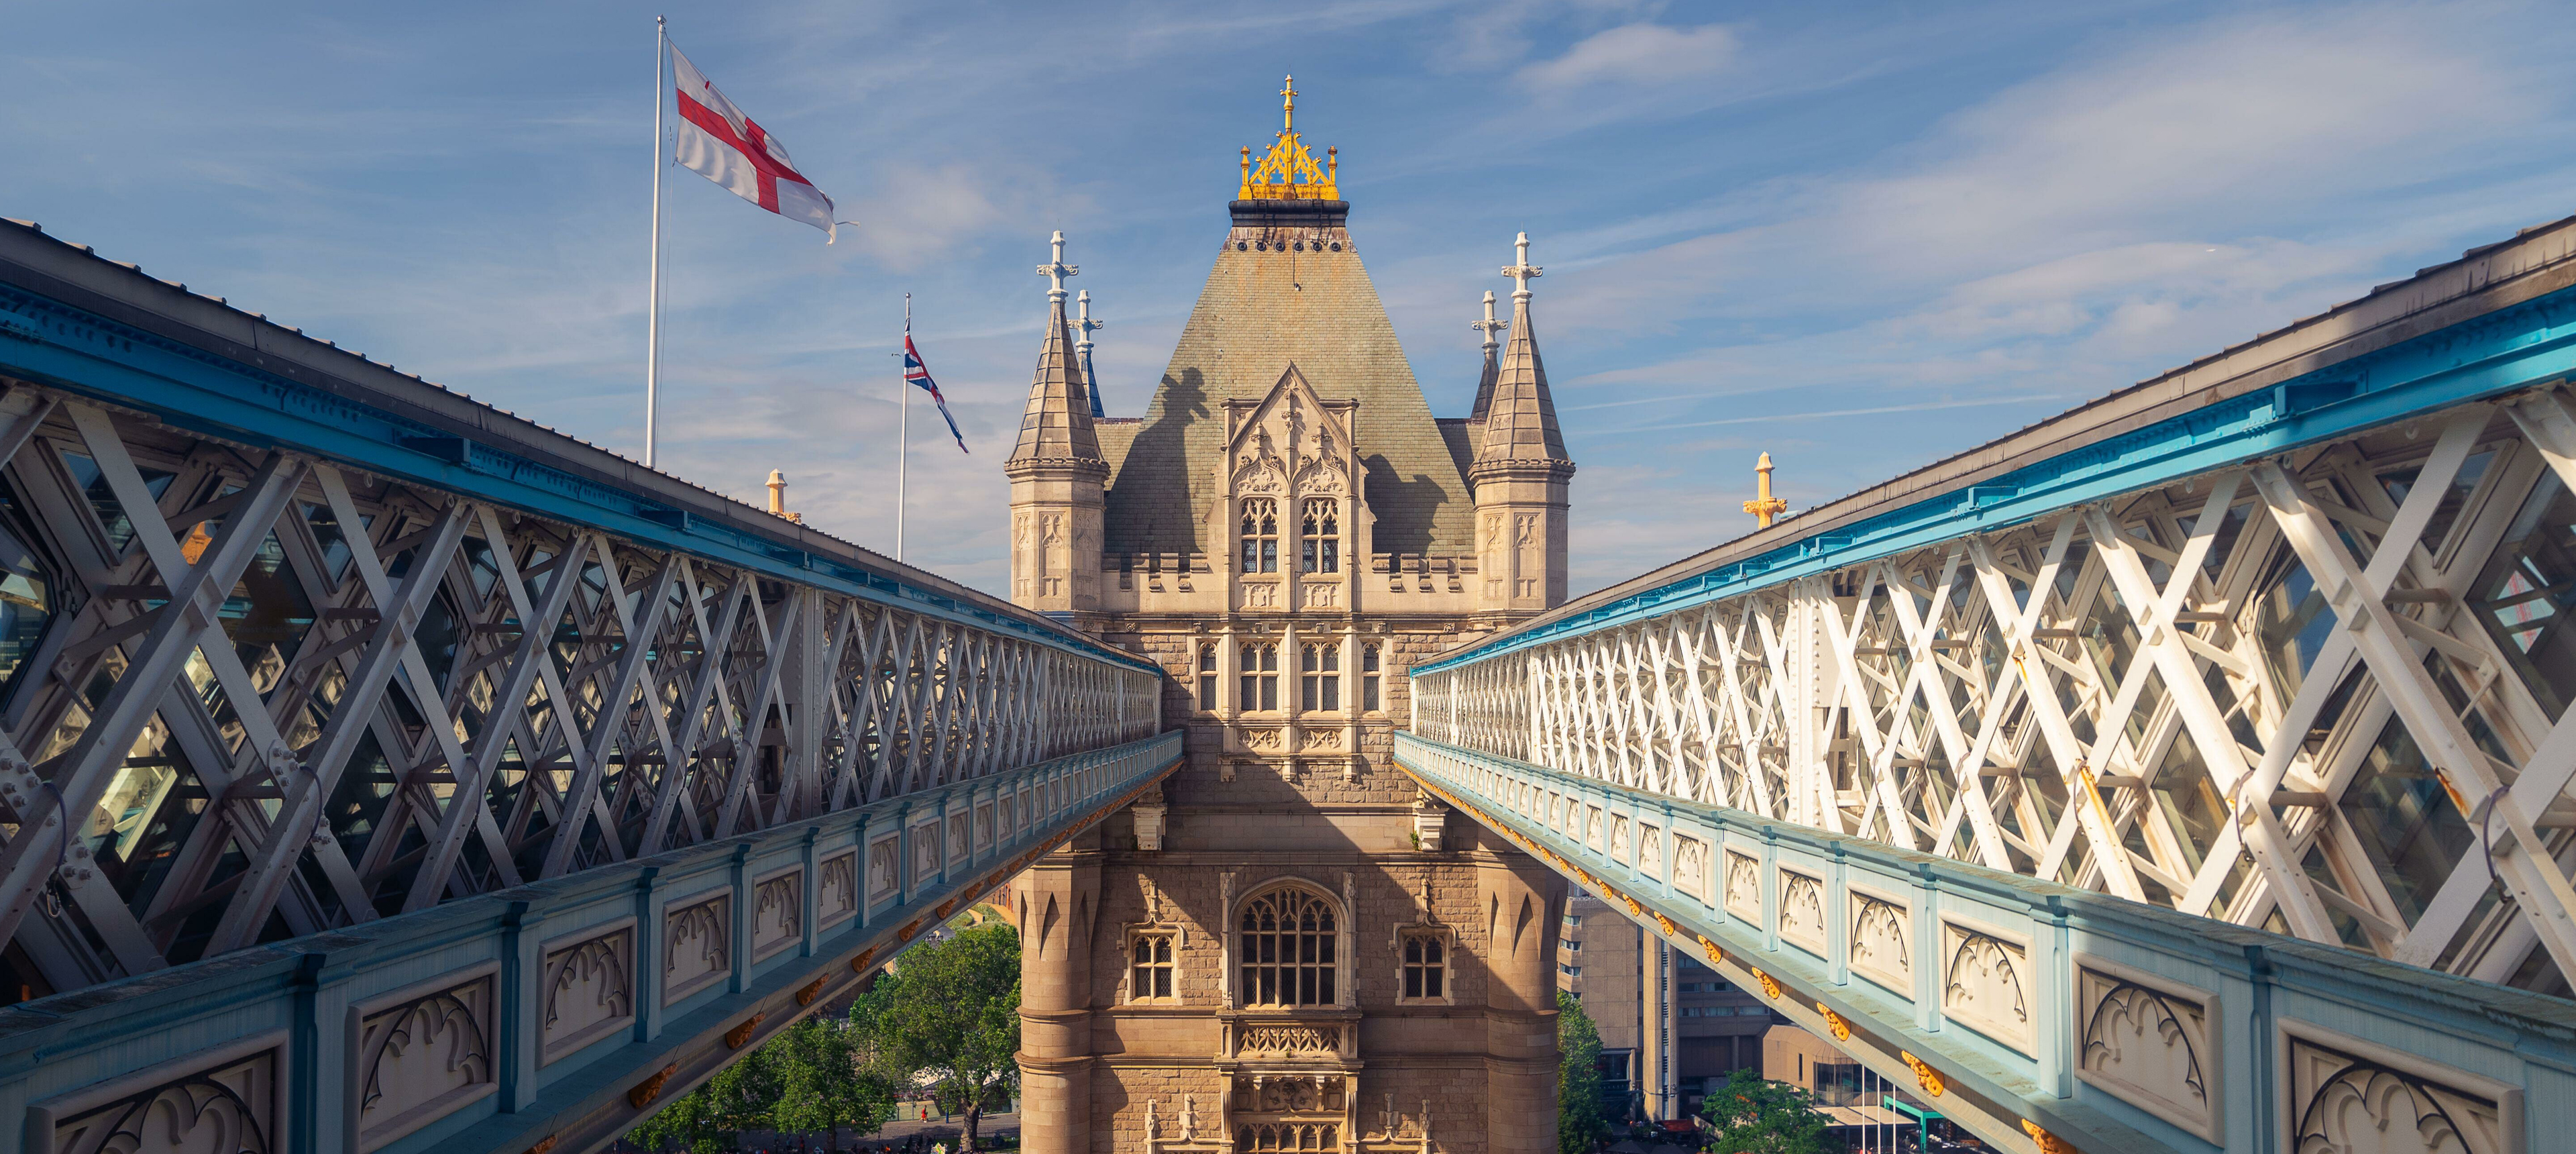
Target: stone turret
(1520, 471)
(1057, 473)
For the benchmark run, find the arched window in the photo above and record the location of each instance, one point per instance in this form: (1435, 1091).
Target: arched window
(1260, 678)
(1260, 535)
(1320, 536)
(1287, 949)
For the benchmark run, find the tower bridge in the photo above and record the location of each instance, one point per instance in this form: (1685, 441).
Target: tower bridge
(382, 771)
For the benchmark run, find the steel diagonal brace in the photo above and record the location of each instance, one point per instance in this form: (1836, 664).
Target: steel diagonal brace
(188, 623)
(2524, 863)
(527, 665)
(273, 858)
(607, 724)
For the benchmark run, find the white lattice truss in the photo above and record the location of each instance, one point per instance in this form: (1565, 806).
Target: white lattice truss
(2324, 693)
(408, 739)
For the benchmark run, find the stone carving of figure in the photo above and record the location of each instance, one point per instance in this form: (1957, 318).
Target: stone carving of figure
(1390, 1116)
(1189, 1117)
(1153, 1125)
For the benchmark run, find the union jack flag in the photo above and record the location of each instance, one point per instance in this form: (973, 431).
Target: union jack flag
(919, 375)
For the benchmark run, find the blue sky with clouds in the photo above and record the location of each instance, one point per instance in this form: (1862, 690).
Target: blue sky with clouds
(1859, 236)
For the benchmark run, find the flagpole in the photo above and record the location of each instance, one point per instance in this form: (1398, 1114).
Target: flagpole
(903, 425)
(653, 318)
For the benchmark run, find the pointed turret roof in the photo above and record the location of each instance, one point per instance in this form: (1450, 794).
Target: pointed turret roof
(1520, 421)
(1056, 426)
(1485, 384)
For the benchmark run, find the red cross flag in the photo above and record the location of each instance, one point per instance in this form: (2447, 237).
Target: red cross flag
(718, 142)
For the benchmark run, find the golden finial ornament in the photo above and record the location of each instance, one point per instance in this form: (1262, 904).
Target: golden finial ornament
(1764, 507)
(1288, 171)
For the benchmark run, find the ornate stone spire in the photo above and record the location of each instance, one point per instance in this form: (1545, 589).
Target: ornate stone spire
(1056, 429)
(1082, 349)
(1485, 384)
(1520, 417)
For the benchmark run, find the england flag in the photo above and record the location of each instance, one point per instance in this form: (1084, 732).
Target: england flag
(718, 142)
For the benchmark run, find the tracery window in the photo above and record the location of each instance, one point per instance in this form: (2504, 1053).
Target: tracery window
(1370, 702)
(1320, 536)
(1322, 688)
(1151, 975)
(1260, 678)
(1288, 1136)
(1260, 535)
(1287, 949)
(1426, 965)
(1207, 677)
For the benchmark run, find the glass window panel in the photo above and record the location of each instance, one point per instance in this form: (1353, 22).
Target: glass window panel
(2528, 587)
(2403, 821)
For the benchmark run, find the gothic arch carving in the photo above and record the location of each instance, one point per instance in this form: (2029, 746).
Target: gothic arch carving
(2151, 1042)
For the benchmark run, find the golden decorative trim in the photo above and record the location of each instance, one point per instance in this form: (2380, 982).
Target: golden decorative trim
(1842, 1029)
(1634, 910)
(1288, 171)
(1667, 923)
(945, 908)
(812, 990)
(1769, 986)
(859, 964)
(548, 1143)
(1924, 1075)
(1716, 956)
(2048, 1143)
(735, 1037)
(650, 1088)
(911, 928)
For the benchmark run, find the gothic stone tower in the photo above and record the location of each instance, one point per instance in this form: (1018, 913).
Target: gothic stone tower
(1291, 949)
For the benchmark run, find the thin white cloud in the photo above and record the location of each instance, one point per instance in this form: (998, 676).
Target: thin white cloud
(1636, 55)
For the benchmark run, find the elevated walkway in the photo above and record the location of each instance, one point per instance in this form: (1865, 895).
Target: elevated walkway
(383, 771)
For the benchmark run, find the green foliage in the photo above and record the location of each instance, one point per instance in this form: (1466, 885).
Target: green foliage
(823, 1084)
(948, 1017)
(1579, 1126)
(1755, 1116)
(706, 1120)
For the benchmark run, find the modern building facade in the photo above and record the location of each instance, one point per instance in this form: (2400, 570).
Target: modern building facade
(1291, 948)
(1669, 1025)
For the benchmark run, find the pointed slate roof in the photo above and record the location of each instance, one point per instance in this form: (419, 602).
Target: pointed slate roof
(1288, 286)
(1057, 423)
(1520, 424)
(1485, 386)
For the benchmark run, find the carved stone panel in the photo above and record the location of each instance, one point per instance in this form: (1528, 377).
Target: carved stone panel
(421, 1055)
(837, 888)
(925, 853)
(1882, 941)
(1986, 983)
(697, 946)
(1744, 887)
(2351, 1096)
(1690, 866)
(1618, 838)
(1802, 911)
(1650, 850)
(961, 836)
(777, 912)
(2150, 1041)
(589, 989)
(885, 867)
(225, 1100)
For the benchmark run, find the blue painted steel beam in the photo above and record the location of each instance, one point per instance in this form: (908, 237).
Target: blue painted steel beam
(2498, 352)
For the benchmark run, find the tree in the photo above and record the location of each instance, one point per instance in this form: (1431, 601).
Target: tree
(1578, 1078)
(1756, 1116)
(710, 1119)
(949, 1016)
(824, 1083)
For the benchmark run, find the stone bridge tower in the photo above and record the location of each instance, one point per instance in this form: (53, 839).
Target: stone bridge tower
(1292, 949)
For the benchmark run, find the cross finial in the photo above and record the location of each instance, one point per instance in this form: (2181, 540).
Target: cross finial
(1489, 325)
(1056, 270)
(1288, 106)
(1522, 272)
(1086, 324)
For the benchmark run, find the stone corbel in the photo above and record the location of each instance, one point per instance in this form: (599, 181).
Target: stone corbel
(1430, 822)
(1151, 816)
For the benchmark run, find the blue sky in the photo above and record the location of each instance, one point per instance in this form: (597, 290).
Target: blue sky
(1861, 237)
